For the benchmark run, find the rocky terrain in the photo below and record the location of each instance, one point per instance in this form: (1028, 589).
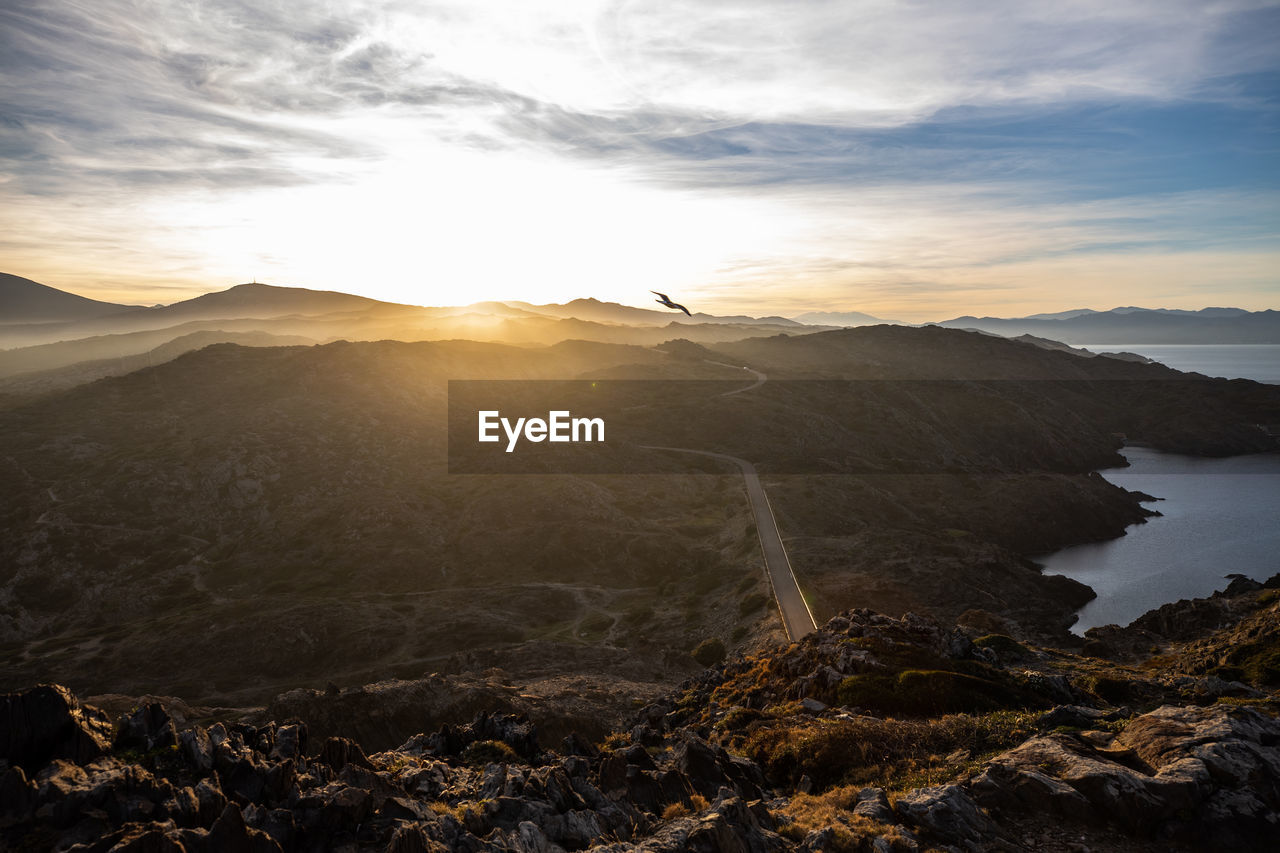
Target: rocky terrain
(873, 734)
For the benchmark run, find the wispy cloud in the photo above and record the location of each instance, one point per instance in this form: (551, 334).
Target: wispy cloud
(751, 152)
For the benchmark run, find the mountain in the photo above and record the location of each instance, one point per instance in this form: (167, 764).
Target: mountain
(25, 301)
(267, 300)
(244, 301)
(1138, 326)
(1060, 315)
(1203, 312)
(842, 318)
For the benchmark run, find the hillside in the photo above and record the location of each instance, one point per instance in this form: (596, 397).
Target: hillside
(296, 503)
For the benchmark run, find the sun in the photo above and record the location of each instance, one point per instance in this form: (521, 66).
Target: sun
(449, 226)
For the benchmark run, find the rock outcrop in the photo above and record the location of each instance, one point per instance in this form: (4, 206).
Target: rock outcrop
(804, 747)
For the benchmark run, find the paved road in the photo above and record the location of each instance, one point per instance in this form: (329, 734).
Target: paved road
(797, 619)
(760, 378)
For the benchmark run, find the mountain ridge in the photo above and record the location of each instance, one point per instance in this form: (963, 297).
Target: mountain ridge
(24, 301)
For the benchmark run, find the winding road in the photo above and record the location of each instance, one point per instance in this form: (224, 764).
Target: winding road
(797, 618)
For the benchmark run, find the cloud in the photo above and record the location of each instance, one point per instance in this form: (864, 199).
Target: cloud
(881, 144)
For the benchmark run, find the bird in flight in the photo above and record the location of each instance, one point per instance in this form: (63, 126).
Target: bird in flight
(666, 300)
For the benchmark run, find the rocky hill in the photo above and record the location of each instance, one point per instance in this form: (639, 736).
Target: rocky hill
(873, 734)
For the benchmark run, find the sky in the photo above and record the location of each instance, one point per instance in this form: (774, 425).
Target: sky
(912, 160)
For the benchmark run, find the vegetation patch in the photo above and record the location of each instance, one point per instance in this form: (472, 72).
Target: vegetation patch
(870, 750)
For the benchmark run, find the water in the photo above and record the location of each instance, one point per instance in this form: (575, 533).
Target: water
(1219, 517)
(1259, 362)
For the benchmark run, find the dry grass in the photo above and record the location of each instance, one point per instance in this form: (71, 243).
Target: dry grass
(696, 803)
(674, 811)
(832, 810)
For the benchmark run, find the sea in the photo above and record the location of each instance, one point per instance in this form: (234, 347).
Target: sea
(1217, 516)
(1259, 362)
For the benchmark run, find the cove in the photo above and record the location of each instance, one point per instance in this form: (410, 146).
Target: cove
(1218, 517)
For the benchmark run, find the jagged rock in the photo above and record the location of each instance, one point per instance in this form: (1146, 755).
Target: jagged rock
(727, 826)
(709, 768)
(338, 752)
(47, 722)
(946, 811)
(530, 839)
(230, 834)
(147, 728)
(210, 800)
(139, 838)
(291, 741)
(412, 838)
(197, 748)
(1076, 716)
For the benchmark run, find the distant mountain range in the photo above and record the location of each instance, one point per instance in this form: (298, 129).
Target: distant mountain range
(43, 329)
(1132, 326)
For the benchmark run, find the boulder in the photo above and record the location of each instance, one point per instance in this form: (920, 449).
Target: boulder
(948, 812)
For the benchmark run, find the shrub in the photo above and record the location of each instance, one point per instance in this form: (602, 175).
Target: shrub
(489, 752)
(752, 603)
(1003, 645)
(709, 652)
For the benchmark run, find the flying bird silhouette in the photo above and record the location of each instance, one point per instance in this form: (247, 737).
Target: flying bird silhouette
(666, 300)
